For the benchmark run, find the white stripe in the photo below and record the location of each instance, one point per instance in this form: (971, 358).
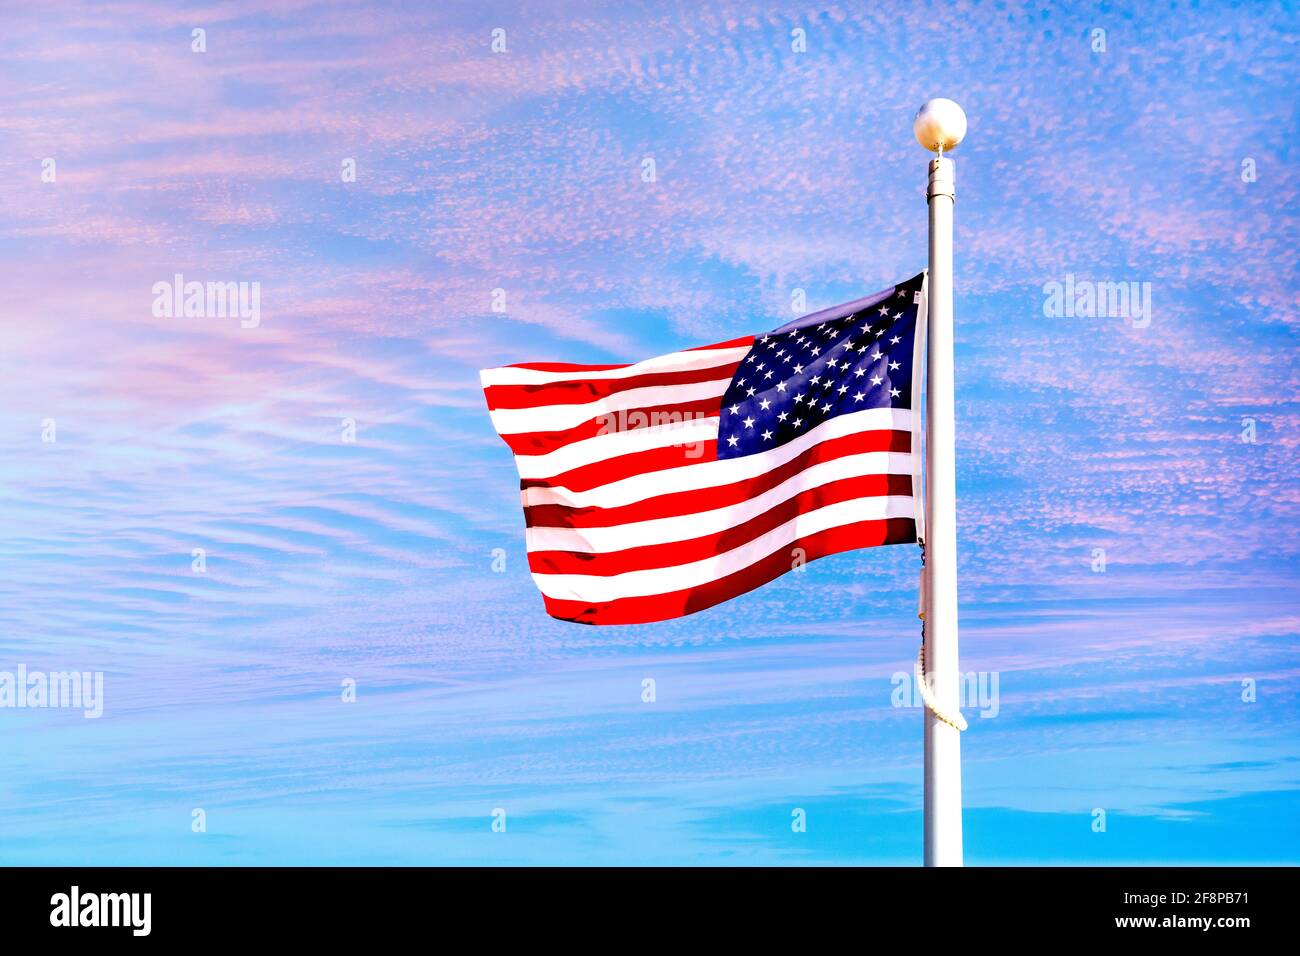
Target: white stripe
(705, 474)
(689, 434)
(595, 589)
(554, 418)
(672, 362)
(684, 527)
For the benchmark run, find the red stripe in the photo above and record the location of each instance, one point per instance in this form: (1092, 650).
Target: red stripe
(745, 340)
(674, 553)
(586, 477)
(539, 443)
(581, 391)
(662, 607)
(706, 499)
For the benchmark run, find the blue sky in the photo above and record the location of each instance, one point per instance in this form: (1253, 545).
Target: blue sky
(776, 171)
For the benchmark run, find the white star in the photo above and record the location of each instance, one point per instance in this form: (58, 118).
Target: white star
(842, 389)
(826, 408)
(782, 416)
(895, 340)
(735, 409)
(765, 404)
(749, 423)
(816, 351)
(767, 436)
(884, 310)
(767, 374)
(816, 379)
(894, 365)
(874, 357)
(894, 393)
(876, 380)
(798, 398)
(860, 372)
(749, 393)
(797, 422)
(780, 387)
(732, 441)
(858, 397)
(798, 369)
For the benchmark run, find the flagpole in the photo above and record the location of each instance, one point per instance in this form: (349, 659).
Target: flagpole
(939, 126)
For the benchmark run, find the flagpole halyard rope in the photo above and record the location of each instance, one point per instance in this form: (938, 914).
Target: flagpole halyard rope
(953, 720)
(922, 684)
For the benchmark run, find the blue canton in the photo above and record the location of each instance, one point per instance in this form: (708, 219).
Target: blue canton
(792, 381)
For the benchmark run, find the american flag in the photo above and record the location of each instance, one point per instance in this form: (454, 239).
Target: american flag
(660, 488)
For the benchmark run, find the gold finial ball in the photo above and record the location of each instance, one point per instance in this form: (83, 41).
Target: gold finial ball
(939, 125)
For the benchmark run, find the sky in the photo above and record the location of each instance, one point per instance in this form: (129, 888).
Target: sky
(291, 542)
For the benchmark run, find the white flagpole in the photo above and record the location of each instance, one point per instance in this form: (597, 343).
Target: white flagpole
(940, 125)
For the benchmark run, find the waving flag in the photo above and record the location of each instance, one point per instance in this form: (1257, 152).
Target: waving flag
(661, 488)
